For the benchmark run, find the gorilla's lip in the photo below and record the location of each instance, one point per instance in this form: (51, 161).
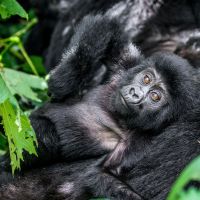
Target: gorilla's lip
(123, 100)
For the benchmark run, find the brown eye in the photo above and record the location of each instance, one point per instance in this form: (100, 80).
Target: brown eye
(147, 79)
(155, 96)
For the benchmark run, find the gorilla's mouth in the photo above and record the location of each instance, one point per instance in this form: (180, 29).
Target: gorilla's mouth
(123, 100)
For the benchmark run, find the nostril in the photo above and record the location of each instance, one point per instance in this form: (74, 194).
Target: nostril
(132, 91)
(136, 96)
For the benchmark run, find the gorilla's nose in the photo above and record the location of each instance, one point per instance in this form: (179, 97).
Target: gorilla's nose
(136, 94)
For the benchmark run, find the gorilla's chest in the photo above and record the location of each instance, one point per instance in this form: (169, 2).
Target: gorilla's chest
(99, 125)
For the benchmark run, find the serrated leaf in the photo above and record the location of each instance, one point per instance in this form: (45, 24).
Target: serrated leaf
(17, 127)
(19, 133)
(5, 93)
(23, 84)
(11, 7)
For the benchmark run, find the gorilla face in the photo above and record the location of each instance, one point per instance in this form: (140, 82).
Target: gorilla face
(155, 92)
(145, 92)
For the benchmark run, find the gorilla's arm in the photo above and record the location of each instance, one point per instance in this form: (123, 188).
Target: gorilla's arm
(67, 181)
(151, 178)
(127, 153)
(97, 49)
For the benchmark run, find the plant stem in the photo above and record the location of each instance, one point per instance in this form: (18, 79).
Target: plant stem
(28, 60)
(15, 38)
(16, 54)
(26, 28)
(7, 47)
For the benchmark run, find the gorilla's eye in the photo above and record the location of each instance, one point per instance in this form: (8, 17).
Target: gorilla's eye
(155, 96)
(147, 79)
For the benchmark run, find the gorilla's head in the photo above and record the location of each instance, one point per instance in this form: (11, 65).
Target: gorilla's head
(155, 92)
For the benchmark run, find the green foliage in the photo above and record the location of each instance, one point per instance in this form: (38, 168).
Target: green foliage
(190, 194)
(19, 133)
(11, 7)
(20, 91)
(190, 173)
(16, 124)
(38, 63)
(22, 84)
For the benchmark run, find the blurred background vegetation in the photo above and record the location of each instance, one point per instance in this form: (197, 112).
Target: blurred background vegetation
(23, 88)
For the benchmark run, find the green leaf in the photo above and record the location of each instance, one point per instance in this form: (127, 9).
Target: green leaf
(17, 127)
(190, 194)
(11, 7)
(19, 132)
(5, 94)
(190, 173)
(23, 84)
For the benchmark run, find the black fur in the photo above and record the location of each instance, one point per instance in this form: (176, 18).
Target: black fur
(171, 25)
(154, 25)
(151, 177)
(142, 178)
(90, 59)
(138, 125)
(94, 126)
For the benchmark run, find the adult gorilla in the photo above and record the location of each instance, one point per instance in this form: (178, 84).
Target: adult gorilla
(151, 177)
(82, 180)
(152, 25)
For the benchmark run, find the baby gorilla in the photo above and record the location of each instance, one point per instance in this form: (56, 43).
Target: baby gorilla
(144, 98)
(138, 97)
(140, 102)
(121, 116)
(125, 113)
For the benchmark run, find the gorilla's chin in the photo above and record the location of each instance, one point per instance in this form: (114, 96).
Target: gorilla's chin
(123, 107)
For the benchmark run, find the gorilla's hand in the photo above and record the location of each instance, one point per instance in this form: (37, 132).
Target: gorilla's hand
(85, 187)
(125, 156)
(98, 43)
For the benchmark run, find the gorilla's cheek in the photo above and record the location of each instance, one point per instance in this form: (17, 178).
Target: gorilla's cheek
(120, 104)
